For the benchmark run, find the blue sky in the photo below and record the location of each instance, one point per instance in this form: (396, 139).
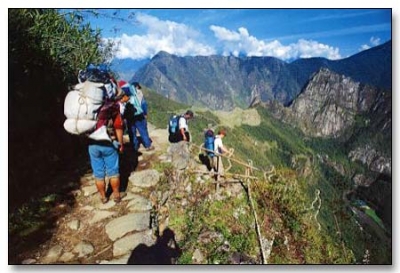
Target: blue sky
(287, 34)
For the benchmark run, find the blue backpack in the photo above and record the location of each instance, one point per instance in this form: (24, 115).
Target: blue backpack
(95, 73)
(209, 142)
(173, 125)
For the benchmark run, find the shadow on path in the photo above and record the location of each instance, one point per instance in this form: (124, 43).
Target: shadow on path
(164, 251)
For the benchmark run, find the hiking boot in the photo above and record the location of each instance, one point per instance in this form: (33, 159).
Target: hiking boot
(104, 200)
(151, 148)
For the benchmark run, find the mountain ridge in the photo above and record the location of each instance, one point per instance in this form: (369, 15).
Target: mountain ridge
(224, 82)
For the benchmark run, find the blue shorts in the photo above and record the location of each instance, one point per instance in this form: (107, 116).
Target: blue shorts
(104, 161)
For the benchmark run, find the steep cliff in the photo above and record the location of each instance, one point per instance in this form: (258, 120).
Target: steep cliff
(329, 103)
(357, 117)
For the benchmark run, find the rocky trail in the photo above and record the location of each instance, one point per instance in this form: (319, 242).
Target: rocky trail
(90, 232)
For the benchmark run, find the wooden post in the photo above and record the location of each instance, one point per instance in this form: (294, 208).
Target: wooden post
(217, 175)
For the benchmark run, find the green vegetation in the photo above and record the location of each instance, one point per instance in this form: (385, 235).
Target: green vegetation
(46, 49)
(63, 39)
(380, 138)
(371, 213)
(211, 226)
(301, 205)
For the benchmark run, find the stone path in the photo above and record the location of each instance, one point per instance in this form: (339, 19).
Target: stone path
(134, 231)
(96, 233)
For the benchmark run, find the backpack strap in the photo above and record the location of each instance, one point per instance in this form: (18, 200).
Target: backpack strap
(136, 103)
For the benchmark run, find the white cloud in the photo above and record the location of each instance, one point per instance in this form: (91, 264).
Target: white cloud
(364, 47)
(241, 42)
(309, 48)
(224, 34)
(373, 41)
(182, 40)
(168, 36)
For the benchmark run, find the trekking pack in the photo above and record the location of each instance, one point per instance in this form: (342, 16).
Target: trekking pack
(93, 73)
(209, 142)
(173, 124)
(83, 104)
(133, 106)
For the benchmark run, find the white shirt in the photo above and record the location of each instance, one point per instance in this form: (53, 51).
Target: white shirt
(122, 106)
(183, 124)
(139, 94)
(218, 145)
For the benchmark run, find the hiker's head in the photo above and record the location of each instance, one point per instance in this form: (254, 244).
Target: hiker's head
(189, 114)
(125, 87)
(124, 98)
(137, 85)
(222, 132)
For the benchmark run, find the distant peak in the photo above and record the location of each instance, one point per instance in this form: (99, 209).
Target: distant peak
(162, 54)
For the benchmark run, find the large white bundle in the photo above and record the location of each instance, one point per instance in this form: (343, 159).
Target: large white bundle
(84, 101)
(81, 106)
(79, 126)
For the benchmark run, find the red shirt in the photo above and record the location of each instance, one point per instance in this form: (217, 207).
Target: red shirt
(110, 110)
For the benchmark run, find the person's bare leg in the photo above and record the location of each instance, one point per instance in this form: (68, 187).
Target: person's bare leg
(115, 183)
(101, 188)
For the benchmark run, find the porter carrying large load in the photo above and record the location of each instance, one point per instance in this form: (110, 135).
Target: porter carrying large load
(83, 104)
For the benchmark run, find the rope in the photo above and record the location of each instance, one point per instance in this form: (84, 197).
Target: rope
(82, 100)
(229, 157)
(249, 165)
(259, 236)
(231, 175)
(231, 151)
(247, 176)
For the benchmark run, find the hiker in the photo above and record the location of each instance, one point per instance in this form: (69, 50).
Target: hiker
(182, 132)
(104, 154)
(219, 149)
(143, 102)
(122, 104)
(135, 115)
(208, 144)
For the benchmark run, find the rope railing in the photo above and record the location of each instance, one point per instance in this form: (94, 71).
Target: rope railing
(229, 157)
(245, 181)
(267, 174)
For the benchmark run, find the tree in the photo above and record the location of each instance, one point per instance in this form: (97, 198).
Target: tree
(46, 50)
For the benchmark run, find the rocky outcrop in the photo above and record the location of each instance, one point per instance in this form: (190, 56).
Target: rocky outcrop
(362, 180)
(375, 161)
(359, 117)
(329, 104)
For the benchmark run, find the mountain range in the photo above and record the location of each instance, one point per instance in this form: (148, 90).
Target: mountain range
(225, 82)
